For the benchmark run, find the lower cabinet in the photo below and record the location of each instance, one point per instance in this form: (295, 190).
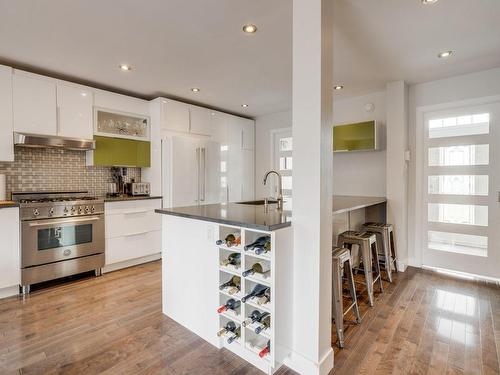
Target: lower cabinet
(133, 232)
(9, 256)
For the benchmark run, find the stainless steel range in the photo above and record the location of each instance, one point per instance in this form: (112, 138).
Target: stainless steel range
(62, 234)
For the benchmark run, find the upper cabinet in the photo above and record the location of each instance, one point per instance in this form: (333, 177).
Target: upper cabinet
(120, 103)
(6, 139)
(175, 116)
(35, 104)
(200, 120)
(247, 133)
(74, 108)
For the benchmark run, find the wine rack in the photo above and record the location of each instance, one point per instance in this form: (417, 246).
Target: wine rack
(251, 343)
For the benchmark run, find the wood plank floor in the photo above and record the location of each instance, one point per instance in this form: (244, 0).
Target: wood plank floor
(422, 323)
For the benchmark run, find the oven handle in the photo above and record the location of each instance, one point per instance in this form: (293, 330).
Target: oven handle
(39, 224)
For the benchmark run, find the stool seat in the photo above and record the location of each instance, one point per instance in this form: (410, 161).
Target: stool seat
(367, 243)
(341, 264)
(386, 245)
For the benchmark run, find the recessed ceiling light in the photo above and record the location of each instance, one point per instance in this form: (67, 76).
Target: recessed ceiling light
(125, 67)
(244, 105)
(250, 29)
(445, 54)
(429, 1)
(338, 87)
(195, 89)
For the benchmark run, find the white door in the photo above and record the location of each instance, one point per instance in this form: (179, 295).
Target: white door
(283, 163)
(74, 105)
(461, 226)
(34, 104)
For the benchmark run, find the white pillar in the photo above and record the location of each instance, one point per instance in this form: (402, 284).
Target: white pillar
(397, 167)
(312, 184)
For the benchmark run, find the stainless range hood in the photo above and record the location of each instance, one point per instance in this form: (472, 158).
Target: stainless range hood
(52, 141)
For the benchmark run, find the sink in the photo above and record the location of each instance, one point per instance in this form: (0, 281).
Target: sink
(259, 202)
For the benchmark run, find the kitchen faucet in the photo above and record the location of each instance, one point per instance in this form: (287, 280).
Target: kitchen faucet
(280, 190)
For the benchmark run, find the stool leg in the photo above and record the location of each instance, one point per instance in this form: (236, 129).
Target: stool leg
(377, 265)
(337, 303)
(367, 266)
(387, 255)
(352, 290)
(393, 250)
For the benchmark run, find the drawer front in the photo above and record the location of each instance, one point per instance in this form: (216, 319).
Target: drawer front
(133, 246)
(126, 206)
(132, 218)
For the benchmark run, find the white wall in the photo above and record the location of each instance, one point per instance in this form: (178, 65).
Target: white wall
(469, 86)
(359, 173)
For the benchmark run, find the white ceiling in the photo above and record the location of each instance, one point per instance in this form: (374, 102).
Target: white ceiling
(174, 45)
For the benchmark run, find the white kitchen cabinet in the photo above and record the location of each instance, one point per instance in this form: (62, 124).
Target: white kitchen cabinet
(6, 125)
(133, 232)
(247, 133)
(200, 120)
(74, 105)
(218, 124)
(120, 103)
(34, 104)
(9, 256)
(175, 116)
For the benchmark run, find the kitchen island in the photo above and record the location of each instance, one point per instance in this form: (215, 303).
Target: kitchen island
(194, 266)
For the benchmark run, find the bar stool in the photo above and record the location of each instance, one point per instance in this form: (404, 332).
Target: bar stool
(367, 243)
(341, 256)
(386, 245)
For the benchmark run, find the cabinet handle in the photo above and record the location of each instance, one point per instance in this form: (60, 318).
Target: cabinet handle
(136, 212)
(242, 139)
(136, 234)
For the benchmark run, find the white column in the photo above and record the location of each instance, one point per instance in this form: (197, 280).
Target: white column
(312, 184)
(397, 167)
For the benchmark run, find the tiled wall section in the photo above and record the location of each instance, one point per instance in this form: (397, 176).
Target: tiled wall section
(37, 169)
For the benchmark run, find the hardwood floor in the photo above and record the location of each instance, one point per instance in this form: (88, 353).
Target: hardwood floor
(422, 323)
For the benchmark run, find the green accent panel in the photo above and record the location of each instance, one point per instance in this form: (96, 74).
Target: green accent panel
(121, 152)
(354, 137)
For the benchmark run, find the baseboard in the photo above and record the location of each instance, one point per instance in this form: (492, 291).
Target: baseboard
(130, 263)
(463, 275)
(304, 366)
(9, 291)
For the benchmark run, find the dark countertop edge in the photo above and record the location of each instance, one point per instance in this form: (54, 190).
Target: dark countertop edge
(267, 228)
(124, 199)
(376, 200)
(9, 205)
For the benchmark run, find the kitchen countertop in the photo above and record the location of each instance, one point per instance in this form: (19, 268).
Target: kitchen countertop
(240, 215)
(128, 198)
(346, 203)
(8, 204)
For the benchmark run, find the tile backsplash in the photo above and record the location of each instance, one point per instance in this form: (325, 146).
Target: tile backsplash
(39, 169)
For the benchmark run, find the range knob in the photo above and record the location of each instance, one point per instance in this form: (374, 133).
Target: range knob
(35, 212)
(87, 209)
(65, 211)
(92, 209)
(80, 210)
(73, 209)
(51, 212)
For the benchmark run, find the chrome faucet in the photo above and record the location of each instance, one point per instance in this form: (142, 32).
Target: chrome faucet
(280, 190)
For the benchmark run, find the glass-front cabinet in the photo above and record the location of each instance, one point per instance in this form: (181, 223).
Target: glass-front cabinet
(121, 125)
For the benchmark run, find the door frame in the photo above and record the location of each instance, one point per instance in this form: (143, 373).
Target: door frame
(420, 128)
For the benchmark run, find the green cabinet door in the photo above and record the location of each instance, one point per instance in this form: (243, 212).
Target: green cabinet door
(121, 152)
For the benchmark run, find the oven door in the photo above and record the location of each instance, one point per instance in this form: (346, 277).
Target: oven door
(52, 240)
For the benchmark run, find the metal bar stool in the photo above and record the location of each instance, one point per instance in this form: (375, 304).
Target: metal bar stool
(341, 257)
(367, 243)
(386, 245)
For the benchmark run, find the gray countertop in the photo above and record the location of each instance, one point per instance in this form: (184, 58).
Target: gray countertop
(128, 198)
(241, 215)
(346, 203)
(254, 216)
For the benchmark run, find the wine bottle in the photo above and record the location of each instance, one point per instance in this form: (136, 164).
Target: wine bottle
(234, 284)
(234, 336)
(231, 304)
(263, 249)
(257, 291)
(259, 267)
(229, 327)
(266, 350)
(265, 297)
(265, 323)
(233, 259)
(230, 240)
(258, 242)
(255, 316)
